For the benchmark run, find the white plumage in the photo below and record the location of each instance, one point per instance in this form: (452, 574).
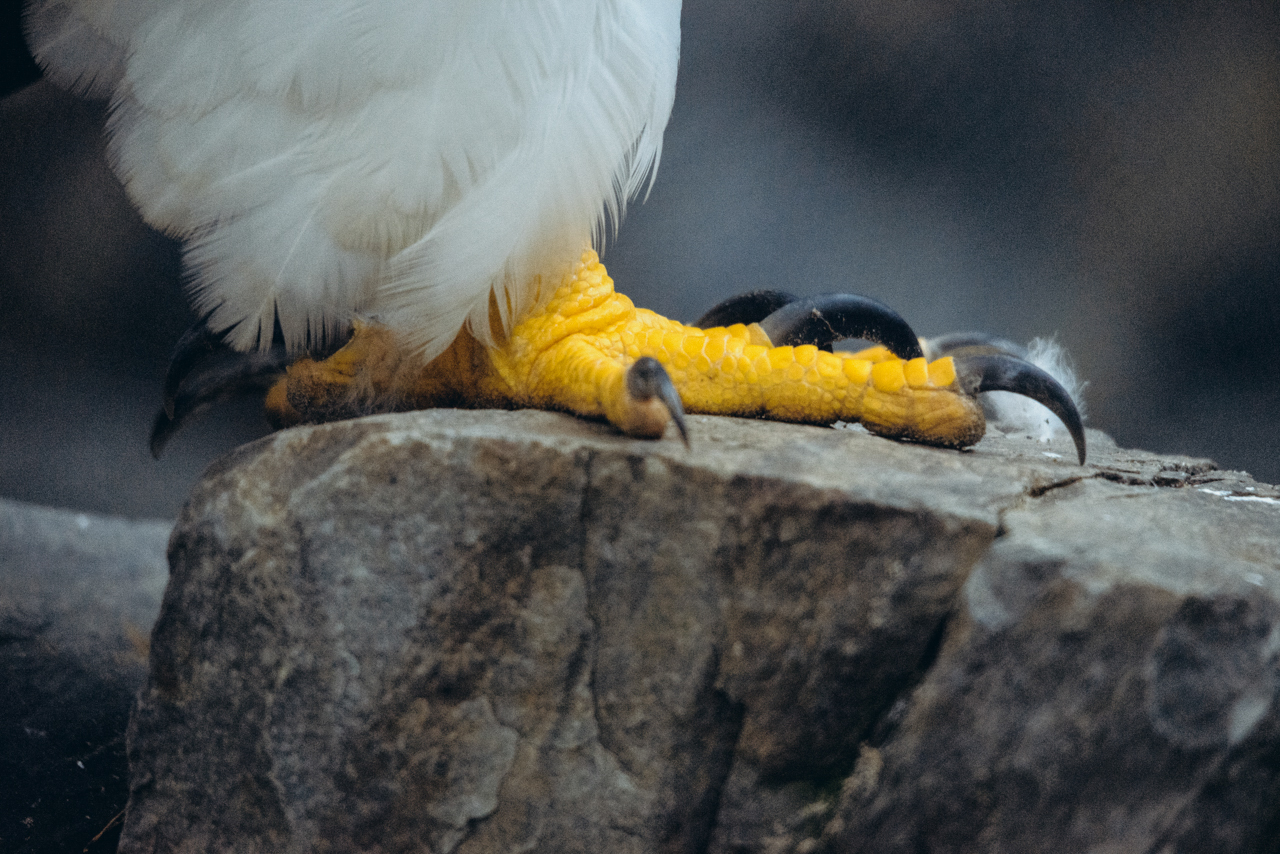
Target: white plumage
(402, 159)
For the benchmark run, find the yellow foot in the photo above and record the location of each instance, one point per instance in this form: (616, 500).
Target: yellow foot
(588, 351)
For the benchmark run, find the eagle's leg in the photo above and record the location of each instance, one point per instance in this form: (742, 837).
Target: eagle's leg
(587, 350)
(571, 354)
(373, 373)
(543, 363)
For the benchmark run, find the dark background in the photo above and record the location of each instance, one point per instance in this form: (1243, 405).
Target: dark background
(1106, 172)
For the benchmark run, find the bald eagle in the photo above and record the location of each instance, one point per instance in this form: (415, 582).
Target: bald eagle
(393, 204)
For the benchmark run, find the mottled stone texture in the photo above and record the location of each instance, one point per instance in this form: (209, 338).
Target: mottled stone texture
(491, 632)
(1108, 684)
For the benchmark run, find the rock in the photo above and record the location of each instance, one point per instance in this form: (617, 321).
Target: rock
(1109, 683)
(78, 595)
(492, 631)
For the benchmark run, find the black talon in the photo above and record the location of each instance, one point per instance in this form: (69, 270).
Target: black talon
(972, 344)
(197, 343)
(646, 379)
(826, 318)
(750, 307)
(204, 369)
(1005, 373)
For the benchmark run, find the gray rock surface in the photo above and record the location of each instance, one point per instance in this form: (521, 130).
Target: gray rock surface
(478, 631)
(1109, 683)
(78, 595)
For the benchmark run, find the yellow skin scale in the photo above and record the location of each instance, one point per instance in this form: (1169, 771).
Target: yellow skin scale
(573, 355)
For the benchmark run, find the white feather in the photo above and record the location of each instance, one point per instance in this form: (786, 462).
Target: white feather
(398, 158)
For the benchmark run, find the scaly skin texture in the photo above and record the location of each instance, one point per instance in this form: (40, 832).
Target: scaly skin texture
(574, 353)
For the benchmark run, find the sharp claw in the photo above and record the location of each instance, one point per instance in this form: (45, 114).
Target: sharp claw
(204, 370)
(826, 318)
(972, 344)
(163, 428)
(196, 344)
(751, 307)
(647, 379)
(979, 373)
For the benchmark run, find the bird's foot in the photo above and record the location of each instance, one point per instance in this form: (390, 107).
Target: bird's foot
(981, 363)
(589, 351)
(373, 373)
(362, 378)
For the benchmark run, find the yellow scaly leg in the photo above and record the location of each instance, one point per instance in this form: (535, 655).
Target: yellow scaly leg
(574, 354)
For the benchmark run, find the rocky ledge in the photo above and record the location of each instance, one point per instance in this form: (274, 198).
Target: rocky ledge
(489, 632)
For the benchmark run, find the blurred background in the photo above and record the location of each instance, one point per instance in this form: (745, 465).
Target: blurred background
(1104, 172)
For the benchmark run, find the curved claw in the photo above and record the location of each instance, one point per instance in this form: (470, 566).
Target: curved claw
(647, 379)
(972, 344)
(826, 318)
(197, 343)
(980, 373)
(204, 370)
(751, 307)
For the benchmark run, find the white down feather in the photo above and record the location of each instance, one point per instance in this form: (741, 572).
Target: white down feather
(396, 158)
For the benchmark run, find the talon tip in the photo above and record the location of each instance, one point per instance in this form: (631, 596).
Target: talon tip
(678, 418)
(998, 372)
(162, 430)
(646, 380)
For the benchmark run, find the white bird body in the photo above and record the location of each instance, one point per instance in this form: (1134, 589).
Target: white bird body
(400, 159)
